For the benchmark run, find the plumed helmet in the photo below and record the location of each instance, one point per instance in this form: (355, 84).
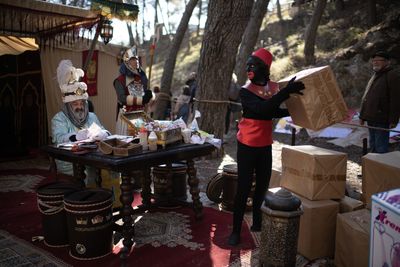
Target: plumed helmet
(130, 53)
(264, 55)
(68, 80)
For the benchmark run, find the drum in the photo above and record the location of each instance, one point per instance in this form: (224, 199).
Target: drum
(90, 224)
(167, 191)
(50, 199)
(229, 188)
(214, 188)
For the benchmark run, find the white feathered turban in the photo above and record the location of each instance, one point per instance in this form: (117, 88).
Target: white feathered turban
(68, 79)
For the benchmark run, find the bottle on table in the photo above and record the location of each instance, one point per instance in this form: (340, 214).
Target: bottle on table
(152, 141)
(143, 138)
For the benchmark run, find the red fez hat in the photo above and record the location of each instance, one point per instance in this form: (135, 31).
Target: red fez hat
(264, 55)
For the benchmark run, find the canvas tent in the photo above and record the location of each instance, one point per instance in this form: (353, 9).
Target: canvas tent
(59, 30)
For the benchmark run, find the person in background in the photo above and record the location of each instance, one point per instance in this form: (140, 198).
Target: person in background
(153, 103)
(182, 108)
(192, 83)
(233, 109)
(131, 88)
(380, 102)
(72, 122)
(261, 100)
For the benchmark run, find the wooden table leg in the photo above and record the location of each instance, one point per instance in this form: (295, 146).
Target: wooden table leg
(79, 173)
(193, 182)
(146, 187)
(126, 212)
(99, 179)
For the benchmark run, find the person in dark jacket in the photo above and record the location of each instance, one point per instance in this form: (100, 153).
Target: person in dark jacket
(261, 100)
(380, 103)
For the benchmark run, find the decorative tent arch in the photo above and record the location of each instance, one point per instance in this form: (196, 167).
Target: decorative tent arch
(58, 31)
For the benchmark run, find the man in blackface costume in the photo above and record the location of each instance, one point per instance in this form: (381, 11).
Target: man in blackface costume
(131, 88)
(261, 100)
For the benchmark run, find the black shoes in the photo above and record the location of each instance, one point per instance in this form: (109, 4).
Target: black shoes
(255, 228)
(234, 239)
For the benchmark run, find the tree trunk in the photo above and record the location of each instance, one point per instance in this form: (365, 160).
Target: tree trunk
(339, 5)
(199, 17)
(143, 21)
(249, 38)
(169, 65)
(130, 33)
(226, 22)
(311, 32)
(372, 12)
(279, 11)
(155, 13)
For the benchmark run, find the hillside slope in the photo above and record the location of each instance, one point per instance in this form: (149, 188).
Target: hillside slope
(344, 41)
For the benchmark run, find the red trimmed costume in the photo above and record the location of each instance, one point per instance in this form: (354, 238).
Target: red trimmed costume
(260, 100)
(131, 88)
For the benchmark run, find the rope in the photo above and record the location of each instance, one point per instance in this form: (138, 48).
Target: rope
(165, 96)
(217, 101)
(87, 205)
(93, 258)
(89, 211)
(51, 209)
(370, 127)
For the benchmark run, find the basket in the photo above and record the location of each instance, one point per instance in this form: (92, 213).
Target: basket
(164, 137)
(168, 137)
(129, 116)
(118, 147)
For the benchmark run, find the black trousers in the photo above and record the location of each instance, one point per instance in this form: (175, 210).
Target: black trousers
(251, 160)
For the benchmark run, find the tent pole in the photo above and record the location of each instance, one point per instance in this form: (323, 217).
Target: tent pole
(93, 44)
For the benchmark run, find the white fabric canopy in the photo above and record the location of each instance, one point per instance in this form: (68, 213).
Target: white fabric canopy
(14, 45)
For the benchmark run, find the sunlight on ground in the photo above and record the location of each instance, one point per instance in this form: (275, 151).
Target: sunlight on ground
(226, 160)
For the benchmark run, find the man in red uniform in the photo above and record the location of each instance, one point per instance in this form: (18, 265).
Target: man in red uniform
(260, 99)
(131, 87)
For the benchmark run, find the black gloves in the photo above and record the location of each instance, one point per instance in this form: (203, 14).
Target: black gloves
(147, 96)
(72, 138)
(294, 87)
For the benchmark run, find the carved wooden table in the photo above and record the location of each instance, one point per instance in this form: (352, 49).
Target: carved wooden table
(141, 161)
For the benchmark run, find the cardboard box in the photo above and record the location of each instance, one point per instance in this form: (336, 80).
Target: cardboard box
(352, 239)
(385, 229)
(317, 228)
(322, 103)
(275, 180)
(348, 204)
(381, 172)
(313, 172)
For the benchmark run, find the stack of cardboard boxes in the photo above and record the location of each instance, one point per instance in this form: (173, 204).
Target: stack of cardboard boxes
(316, 176)
(334, 225)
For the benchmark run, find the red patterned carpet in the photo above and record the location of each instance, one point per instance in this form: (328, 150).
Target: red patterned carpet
(167, 237)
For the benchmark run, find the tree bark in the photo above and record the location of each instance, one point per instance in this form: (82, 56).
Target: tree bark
(279, 10)
(130, 33)
(372, 12)
(226, 22)
(311, 32)
(199, 17)
(249, 38)
(169, 65)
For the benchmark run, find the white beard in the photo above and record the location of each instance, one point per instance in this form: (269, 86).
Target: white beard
(79, 114)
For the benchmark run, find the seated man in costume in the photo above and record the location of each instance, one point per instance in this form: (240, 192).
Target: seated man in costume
(73, 121)
(131, 88)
